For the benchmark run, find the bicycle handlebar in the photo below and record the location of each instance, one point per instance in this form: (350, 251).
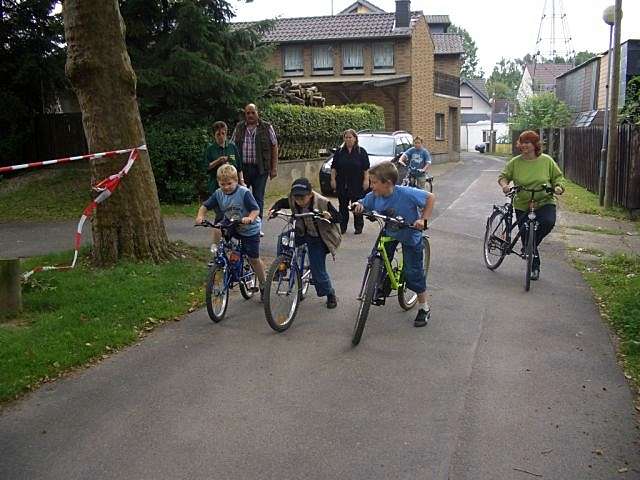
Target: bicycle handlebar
(519, 188)
(316, 215)
(399, 221)
(228, 224)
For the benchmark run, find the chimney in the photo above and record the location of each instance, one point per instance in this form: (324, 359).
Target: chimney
(403, 15)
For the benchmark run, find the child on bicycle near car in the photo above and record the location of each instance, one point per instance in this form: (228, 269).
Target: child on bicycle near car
(321, 237)
(419, 161)
(415, 207)
(236, 202)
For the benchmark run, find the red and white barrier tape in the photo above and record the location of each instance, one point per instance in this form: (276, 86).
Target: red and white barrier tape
(105, 188)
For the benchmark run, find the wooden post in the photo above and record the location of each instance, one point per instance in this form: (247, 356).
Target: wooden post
(10, 288)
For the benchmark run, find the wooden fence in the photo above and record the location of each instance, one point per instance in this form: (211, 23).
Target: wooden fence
(578, 153)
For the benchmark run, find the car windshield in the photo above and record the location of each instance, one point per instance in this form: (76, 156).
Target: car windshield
(377, 146)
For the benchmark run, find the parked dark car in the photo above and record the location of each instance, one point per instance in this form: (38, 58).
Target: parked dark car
(480, 147)
(380, 146)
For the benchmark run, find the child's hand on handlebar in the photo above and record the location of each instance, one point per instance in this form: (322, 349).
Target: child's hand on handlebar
(246, 220)
(357, 207)
(199, 220)
(420, 223)
(558, 190)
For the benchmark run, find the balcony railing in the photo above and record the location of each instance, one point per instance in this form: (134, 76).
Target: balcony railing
(446, 84)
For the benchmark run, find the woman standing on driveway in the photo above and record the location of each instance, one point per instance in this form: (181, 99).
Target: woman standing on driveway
(350, 178)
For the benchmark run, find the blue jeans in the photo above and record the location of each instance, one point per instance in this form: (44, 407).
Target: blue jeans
(257, 183)
(317, 262)
(412, 265)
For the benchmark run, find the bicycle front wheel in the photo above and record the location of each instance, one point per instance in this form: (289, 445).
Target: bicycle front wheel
(282, 293)
(495, 240)
(248, 281)
(529, 252)
(305, 276)
(372, 274)
(217, 293)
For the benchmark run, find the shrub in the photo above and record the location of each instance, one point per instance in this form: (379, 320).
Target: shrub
(176, 158)
(176, 153)
(302, 131)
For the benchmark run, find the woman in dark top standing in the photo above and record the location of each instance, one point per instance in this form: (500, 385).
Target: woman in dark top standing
(350, 178)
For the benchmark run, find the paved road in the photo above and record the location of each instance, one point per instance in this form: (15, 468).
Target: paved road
(499, 384)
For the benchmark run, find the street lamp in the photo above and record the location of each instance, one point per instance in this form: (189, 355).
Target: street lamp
(608, 15)
(492, 143)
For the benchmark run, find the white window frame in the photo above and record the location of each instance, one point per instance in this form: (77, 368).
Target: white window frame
(326, 50)
(464, 105)
(385, 68)
(298, 69)
(353, 69)
(440, 127)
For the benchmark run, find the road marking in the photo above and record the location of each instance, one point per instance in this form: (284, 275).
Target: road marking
(455, 201)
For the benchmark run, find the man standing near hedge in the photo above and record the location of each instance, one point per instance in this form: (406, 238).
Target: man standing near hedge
(258, 145)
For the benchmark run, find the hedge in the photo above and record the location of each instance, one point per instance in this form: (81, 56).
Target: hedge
(302, 131)
(176, 158)
(176, 154)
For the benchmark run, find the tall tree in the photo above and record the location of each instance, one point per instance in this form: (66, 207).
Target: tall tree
(542, 111)
(31, 69)
(505, 79)
(192, 64)
(98, 66)
(583, 56)
(469, 67)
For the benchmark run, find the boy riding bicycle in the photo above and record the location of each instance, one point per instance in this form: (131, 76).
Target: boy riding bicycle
(236, 202)
(415, 206)
(419, 161)
(321, 238)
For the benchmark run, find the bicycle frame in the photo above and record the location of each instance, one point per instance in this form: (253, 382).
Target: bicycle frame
(287, 247)
(508, 210)
(227, 247)
(379, 250)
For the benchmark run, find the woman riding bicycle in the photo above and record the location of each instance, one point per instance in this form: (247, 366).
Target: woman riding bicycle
(531, 169)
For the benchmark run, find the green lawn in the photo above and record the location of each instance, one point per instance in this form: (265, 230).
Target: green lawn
(63, 194)
(580, 200)
(616, 283)
(74, 317)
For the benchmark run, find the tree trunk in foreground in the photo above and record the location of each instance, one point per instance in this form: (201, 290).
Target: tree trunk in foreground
(128, 224)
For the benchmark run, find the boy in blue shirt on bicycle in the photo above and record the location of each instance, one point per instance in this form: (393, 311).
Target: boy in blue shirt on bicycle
(418, 160)
(415, 207)
(236, 202)
(321, 237)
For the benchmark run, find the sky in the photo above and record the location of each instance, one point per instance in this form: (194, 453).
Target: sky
(500, 28)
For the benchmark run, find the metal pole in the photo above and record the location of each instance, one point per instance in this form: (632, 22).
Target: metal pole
(612, 152)
(605, 129)
(492, 101)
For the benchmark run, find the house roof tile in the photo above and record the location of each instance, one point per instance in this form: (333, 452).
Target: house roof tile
(339, 27)
(438, 19)
(351, 8)
(447, 43)
(546, 73)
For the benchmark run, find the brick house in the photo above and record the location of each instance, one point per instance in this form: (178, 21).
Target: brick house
(389, 59)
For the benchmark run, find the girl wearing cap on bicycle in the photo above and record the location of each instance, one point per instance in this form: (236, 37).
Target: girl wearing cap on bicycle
(321, 238)
(531, 169)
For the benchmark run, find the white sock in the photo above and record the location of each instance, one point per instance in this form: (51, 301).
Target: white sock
(423, 306)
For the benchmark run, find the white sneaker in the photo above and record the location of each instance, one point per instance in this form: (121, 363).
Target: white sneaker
(213, 248)
(261, 233)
